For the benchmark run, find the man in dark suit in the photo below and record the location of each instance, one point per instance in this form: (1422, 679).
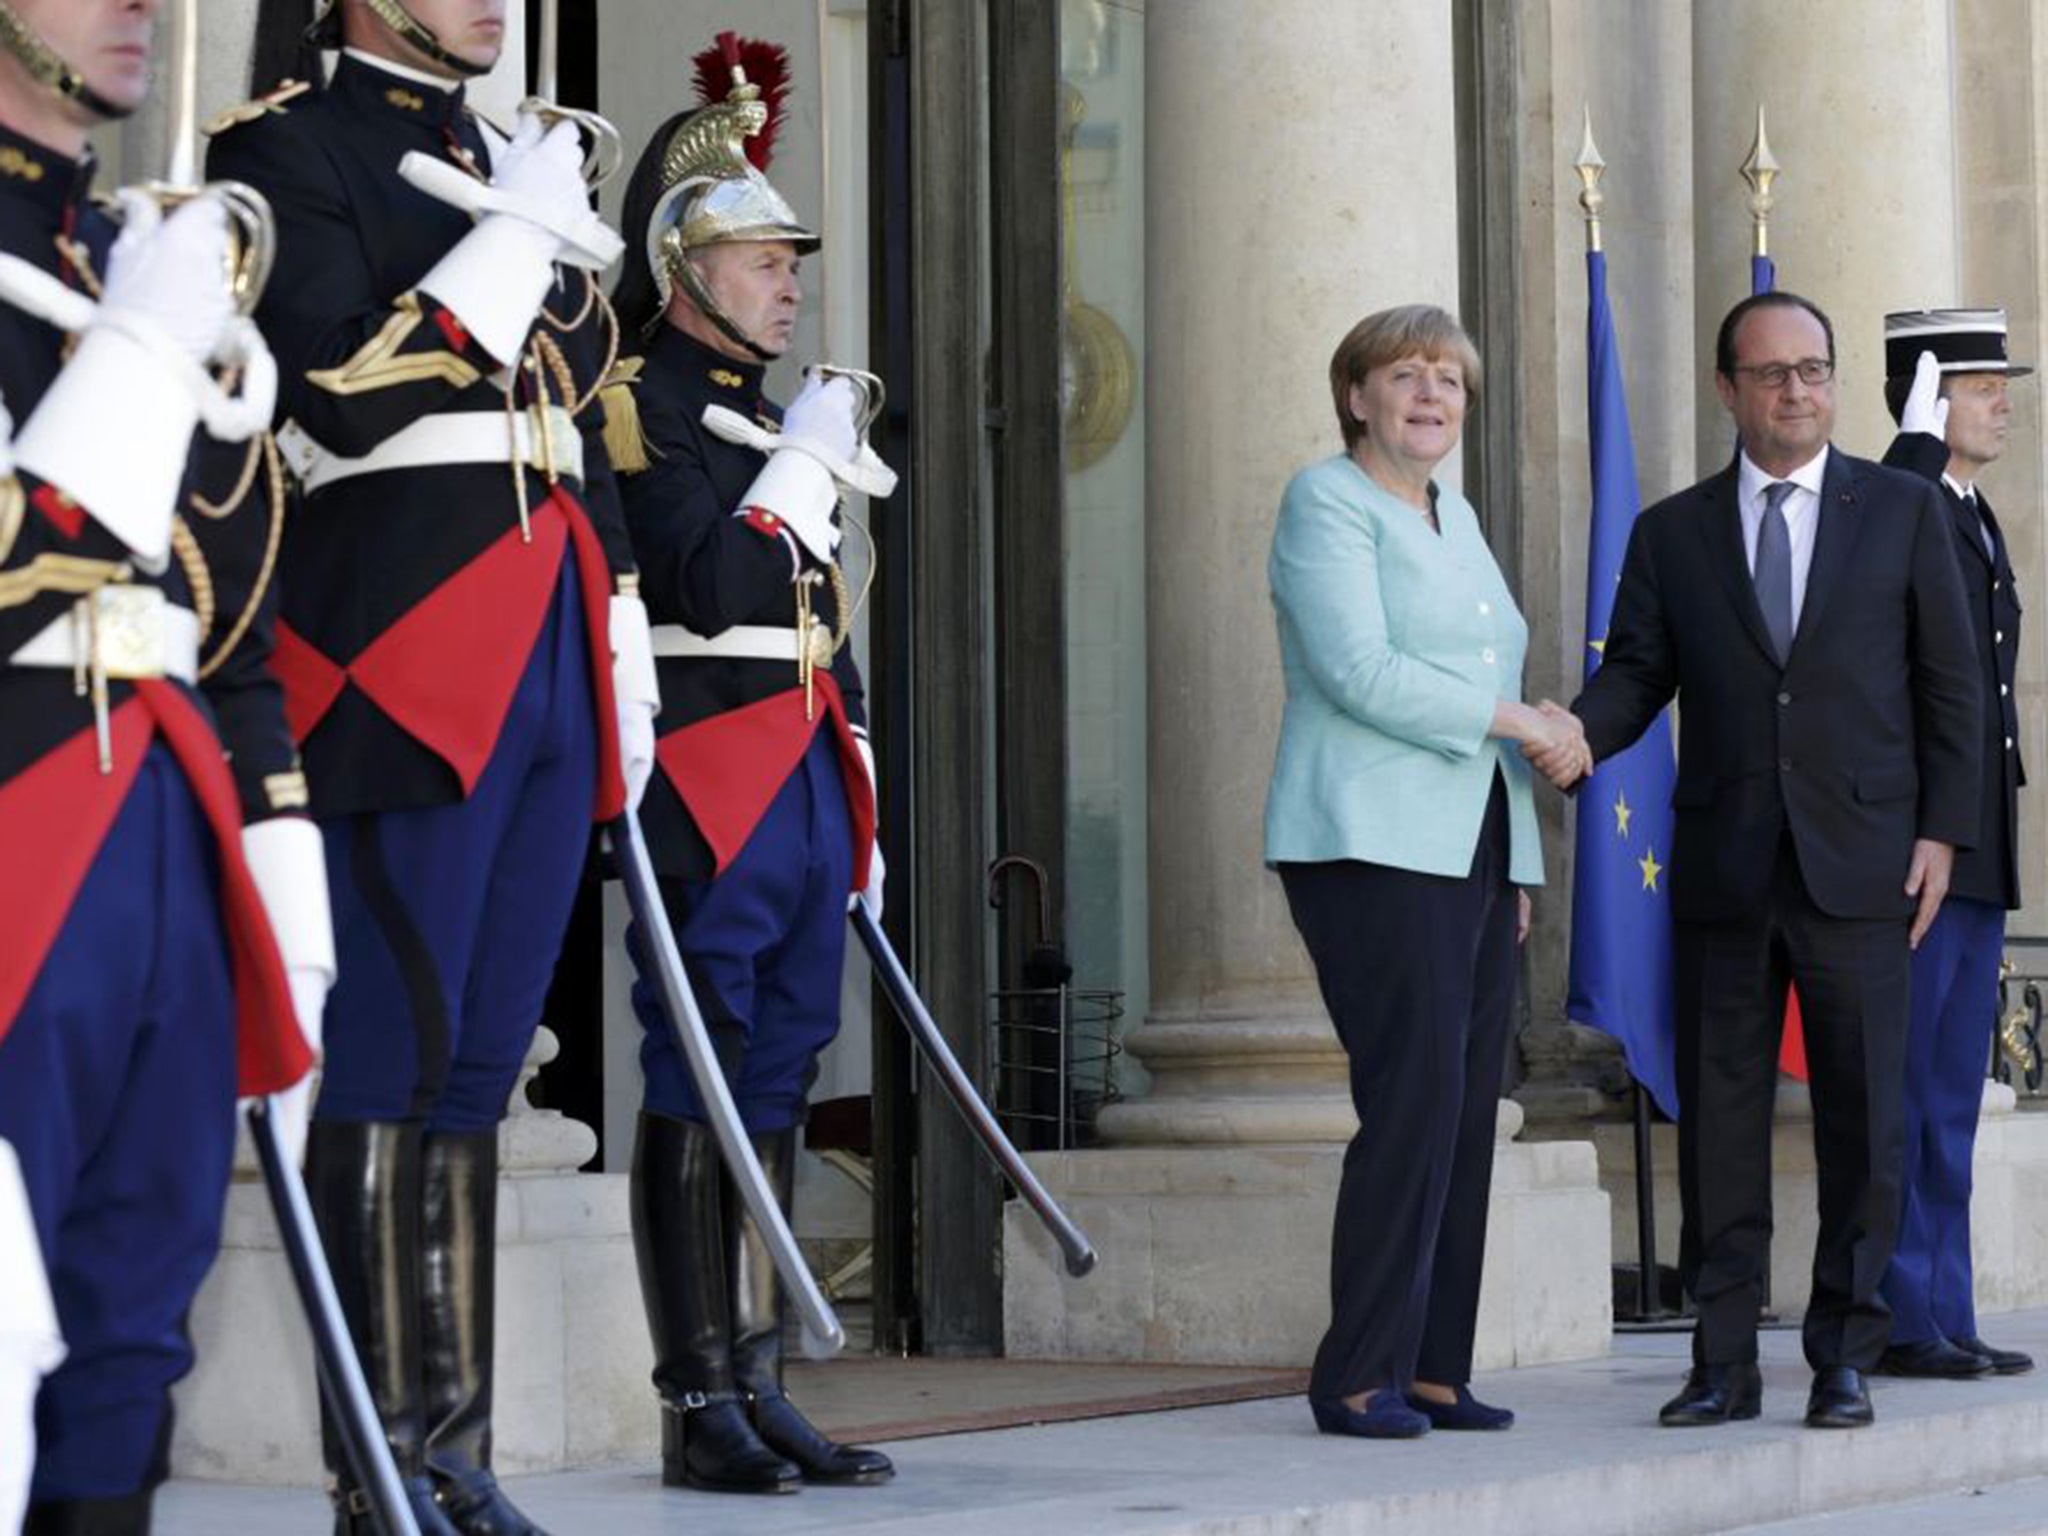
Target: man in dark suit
(1805, 609)
(1947, 387)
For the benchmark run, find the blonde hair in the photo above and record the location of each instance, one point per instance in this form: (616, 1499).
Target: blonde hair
(1387, 336)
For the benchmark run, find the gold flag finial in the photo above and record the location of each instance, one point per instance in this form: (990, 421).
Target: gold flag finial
(1589, 165)
(1760, 170)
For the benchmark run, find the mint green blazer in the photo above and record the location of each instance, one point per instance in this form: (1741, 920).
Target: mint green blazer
(1395, 645)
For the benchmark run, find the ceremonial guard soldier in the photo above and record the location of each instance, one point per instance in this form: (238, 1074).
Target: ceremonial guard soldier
(151, 804)
(1946, 383)
(760, 823)
(464, 658)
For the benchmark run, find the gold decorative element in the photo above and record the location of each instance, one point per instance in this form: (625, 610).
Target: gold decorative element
(23, 167)
(725, 378)
(273, 465)
(2013, 1040)
(625, 442)
(627, 584)
(1760, 170)
(1590, 167)
(287, 791)
(192, 560)
(404, 100)
(252, 111)
(214, 511)
(379, 365)
(69, 575)
(13, 503)
(1098, 371)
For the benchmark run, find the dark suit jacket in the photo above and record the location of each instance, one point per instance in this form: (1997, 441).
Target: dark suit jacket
(1991, 870)
(1866, 738)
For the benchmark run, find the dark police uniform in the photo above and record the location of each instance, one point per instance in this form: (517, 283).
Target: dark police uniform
(1955, 970)
(140, 988)
(761, 818)
(447, 669)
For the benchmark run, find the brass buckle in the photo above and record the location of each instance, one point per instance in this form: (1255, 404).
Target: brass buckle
(129, 633)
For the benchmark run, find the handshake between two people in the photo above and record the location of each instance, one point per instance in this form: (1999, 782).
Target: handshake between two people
(1552, 738)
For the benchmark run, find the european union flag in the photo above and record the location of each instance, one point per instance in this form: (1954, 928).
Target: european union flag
(1621, 917)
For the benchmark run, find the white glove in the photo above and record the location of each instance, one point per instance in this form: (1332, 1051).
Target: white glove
(877, 870)
(288, 862)
(495, 278)
(823, 413)
(6, 473)
(168, 273)
(1925, 410)
(635, 693)
(30, 1344)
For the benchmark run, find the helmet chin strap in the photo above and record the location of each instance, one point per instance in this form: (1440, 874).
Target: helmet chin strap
(400, 20)
(47, 69)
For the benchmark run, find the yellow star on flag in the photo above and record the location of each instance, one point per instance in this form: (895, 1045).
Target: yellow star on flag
(1651, 869)
(1599, 645)
(1622, 812)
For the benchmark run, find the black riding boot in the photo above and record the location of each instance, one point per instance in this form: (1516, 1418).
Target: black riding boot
(678, 1237)
(460, 1206)
(757, 1335)
(127, 1515)
(364, 1183)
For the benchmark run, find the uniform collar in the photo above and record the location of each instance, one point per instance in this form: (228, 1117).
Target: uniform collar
(52, 182)
(392, 90)
(727, 377)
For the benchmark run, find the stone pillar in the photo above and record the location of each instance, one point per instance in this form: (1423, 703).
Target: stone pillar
(1866, 206)
(1238, 344)
(1279, 210)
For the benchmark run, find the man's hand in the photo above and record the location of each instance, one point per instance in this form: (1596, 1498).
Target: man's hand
(1925, 410)
(1927, 881)
(1558, 749)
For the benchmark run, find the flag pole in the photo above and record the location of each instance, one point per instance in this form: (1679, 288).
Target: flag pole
(1590, 168)
(1760, 170)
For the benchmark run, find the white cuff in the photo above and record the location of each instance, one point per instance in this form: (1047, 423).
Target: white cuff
(494, 280)
(289, 864)
(801, 491)
(130, 488)
(28, 1317)
(633, 654)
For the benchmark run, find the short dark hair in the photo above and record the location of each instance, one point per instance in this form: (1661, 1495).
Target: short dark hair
(1724, 343)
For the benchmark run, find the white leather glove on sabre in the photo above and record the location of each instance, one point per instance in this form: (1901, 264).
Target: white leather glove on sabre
(30, 1344)
(635, 693)
(164, 311)
(1925, 410)
(288, 862)
(871, 894)
(494, 280)
(795, 485)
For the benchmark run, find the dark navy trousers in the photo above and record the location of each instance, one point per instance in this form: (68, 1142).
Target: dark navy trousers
(1418, 974)
(117, 1089)
(1948, 1049)
(763, 944)
(448, 920)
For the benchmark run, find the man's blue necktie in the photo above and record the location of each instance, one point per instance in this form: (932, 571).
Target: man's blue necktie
(1773, 575)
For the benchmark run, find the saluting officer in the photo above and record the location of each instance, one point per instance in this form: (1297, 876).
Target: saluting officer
(1947, 386)
(760, 823)
(150, 796)
(464, 659)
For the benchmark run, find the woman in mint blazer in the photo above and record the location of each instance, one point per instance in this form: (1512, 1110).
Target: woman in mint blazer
(1401, 823)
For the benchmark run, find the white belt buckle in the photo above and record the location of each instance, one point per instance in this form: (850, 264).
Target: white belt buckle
(130, 631)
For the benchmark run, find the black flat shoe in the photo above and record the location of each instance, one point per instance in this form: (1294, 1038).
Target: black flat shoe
(1839, 1399)
(1386, 1416)
(2005, 1362)
(1465, 1413)
(1934, 1357)
(1714, 1394)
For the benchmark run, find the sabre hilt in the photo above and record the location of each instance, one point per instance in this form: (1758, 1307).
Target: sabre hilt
(604, 148)
(252, 229)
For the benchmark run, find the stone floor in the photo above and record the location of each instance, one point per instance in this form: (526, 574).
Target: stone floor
(1586, 1459)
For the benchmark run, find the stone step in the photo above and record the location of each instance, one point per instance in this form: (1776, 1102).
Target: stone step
(1586, 1458)
(2006, 1509)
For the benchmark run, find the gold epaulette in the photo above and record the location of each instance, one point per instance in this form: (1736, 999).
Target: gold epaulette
(250, 111)
(624, 443)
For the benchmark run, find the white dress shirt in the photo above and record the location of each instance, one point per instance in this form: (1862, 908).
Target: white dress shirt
(1802, 516)
(1967, 495)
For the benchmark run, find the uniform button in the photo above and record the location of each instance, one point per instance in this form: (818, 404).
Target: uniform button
(1487, 655)
(1998, 635)
(2008, 743)
(2003, 690)
(1784, 698)
(1486, 607)
(1994, 586)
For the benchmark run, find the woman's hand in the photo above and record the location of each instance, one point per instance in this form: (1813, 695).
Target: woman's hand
(1524, 911)
(1557, 745)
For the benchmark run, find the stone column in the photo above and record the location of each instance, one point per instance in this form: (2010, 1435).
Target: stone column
(1301, 172)
(1278, 210)
(1866, 215)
